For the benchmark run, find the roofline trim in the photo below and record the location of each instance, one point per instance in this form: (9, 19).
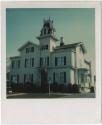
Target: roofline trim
(53, 37)
(28, 42)
(14, 57)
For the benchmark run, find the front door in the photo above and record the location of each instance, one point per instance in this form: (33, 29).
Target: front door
(44, 77)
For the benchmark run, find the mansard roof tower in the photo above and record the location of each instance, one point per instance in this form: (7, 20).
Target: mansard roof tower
(47, 34)
(48, 29)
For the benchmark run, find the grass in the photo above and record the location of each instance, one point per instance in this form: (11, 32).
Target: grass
(51, 95)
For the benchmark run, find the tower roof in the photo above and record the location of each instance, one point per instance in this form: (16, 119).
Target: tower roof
(47, 28)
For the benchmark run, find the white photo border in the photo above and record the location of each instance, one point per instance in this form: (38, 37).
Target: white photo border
(87, 110)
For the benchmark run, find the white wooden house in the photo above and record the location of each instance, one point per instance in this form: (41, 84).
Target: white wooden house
(63, 64)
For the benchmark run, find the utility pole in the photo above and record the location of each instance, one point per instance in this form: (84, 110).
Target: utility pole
(49, 85)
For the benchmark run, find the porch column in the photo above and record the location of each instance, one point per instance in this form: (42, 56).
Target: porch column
(76, 72)
(90, 75)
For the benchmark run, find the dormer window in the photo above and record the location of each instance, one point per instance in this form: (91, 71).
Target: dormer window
(27, 50)
(32, 49)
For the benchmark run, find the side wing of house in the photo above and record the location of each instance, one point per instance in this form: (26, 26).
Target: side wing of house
(83, 68)
(24, 68)
(62, 66)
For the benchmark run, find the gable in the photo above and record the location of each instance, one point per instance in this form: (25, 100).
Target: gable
(27, 45)
(82, 47)
(71, 46)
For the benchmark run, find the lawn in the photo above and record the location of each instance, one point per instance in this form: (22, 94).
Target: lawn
(51, 95)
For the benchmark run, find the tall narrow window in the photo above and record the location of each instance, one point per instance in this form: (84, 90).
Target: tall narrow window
(25, 63)
(24, 78)
(46, 46)
(17, 78)
(32, 62)
(82, 78)
(41, 61)
(56, 61)
(13, 64)
(32, 78)
(32, 49)
(53, 76)
(44, 31)
(11, 78)
(64, 77)
(64, 60)
(27, 50)
(18, 63)
(61, 77)
(47, 61)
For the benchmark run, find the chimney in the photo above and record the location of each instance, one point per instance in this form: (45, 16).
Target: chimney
(61, 41)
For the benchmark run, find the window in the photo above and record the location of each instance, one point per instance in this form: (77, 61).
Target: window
(27, 50)
(61, 60)
(44, 31)
(49, 31)
(24, 78)
(11, 78)
(61, 77)
(53, 76)
(46, 47)
(32, 60)
(56, 61)
(41, 48)
(41, 61)
(18, 63)
(32, 49)
(13, 63)
(31, 78)
(64, 77)
(26, 63)
(64, 60)
(47, 61)
(82, 78)
(17, 78)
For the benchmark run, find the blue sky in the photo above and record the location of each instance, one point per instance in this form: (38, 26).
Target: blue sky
(74, 24)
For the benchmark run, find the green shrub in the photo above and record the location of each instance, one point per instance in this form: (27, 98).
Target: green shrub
(45, 88)
(92, 89)
(62, 88)
(69, 88)
(75, 88)
(54, 87)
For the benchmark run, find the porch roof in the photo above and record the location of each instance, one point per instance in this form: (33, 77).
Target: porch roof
(82, 69)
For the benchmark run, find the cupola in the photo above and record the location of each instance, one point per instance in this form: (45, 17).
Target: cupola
(48, 28)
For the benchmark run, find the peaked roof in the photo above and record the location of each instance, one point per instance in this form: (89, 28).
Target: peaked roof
(26, 44)
(88, 62)
(73, 45)
(15, 57)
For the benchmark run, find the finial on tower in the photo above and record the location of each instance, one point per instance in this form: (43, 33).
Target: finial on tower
(47, 30)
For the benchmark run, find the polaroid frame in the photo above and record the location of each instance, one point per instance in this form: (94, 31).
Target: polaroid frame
(87, 110)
